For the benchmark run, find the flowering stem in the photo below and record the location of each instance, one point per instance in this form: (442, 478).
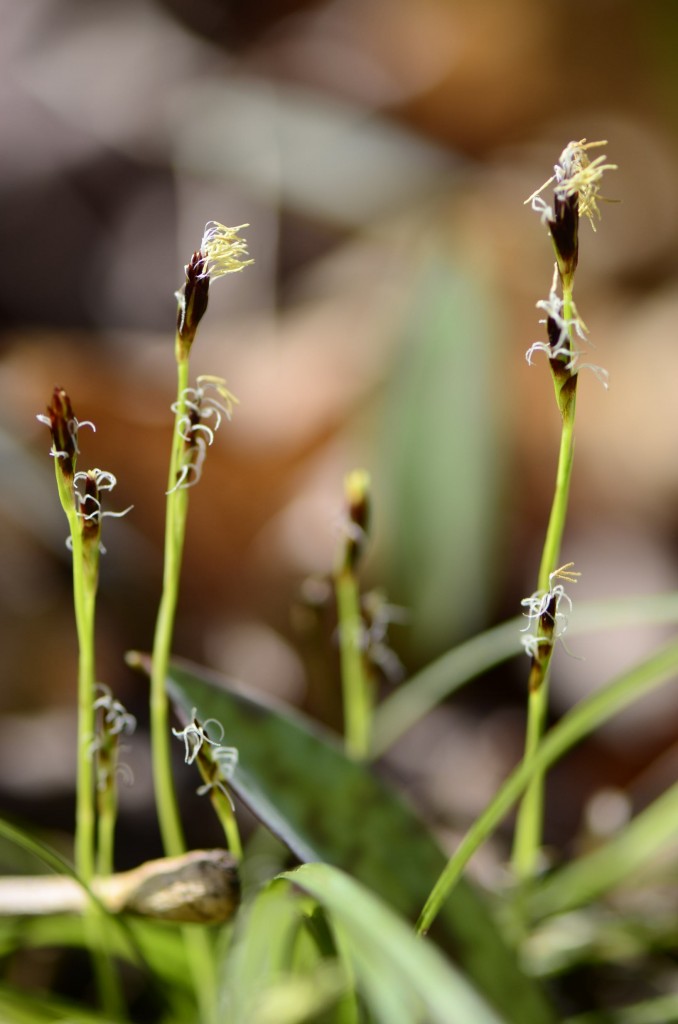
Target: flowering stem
(355, 684)
(85, 583)
(85, 579)
(222, 807)
(221, 252)
(107, 812)
(197, 943)
(355, 681)
(175, 528)
(530, 819)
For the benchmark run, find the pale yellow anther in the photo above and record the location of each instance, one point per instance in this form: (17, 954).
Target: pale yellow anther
(576, 175)
(223, 249)
(565, 573)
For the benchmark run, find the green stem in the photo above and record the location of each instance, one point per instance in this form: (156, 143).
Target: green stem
(175, 528)
(85, 584)
(355, 684)
(228, 821)
(85, 579)
(210, 773)
(583, 719)
(530, 819)
(197, 943)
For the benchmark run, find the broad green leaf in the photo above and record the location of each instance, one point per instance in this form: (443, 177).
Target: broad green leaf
(400, 977)
(297, 781)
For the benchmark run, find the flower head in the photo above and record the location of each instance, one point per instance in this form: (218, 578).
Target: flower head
(561, 332)
(195, 737)
(116, 719)
(221, 252)
(199, 414)
(545, 611)
(88, 487)
(575, 175)
(113, 722)
(575, 193)
(217, 762)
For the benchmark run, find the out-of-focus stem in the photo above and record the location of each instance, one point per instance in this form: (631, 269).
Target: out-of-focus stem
(175, 527)
(355, 683)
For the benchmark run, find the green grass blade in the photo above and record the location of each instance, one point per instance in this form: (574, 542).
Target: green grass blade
(266, 977)
(573, 727)
(442, 677)
(400, 977)
(632, 849)
(663, 1010)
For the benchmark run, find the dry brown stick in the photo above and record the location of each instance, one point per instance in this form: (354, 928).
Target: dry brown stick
(200, 886)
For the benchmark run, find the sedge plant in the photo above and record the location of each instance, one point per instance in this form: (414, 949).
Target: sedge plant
(576, 186)
(80, 494)
(314, 944)
(198, 413)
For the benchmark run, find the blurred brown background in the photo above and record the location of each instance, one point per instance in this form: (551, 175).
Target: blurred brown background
(381, 151)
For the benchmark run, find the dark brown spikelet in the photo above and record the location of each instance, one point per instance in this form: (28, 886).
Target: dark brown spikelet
(193, 298)
(564, 230)
(64, 428)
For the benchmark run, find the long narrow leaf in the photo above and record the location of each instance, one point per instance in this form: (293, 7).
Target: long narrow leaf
(442, 677)
(631, 850)
(573, 727)
(401, 978)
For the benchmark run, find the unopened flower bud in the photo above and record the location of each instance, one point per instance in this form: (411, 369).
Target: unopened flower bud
(357, 493)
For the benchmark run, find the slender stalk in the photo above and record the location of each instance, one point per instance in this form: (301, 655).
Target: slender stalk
(221, 252)
(215, 779)
(84, 598)
(175, 526)
(85, 582)
(197, 943)
(106, 819)
(529, 824)
(354, 679)
(574, 193)
(228, 821)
